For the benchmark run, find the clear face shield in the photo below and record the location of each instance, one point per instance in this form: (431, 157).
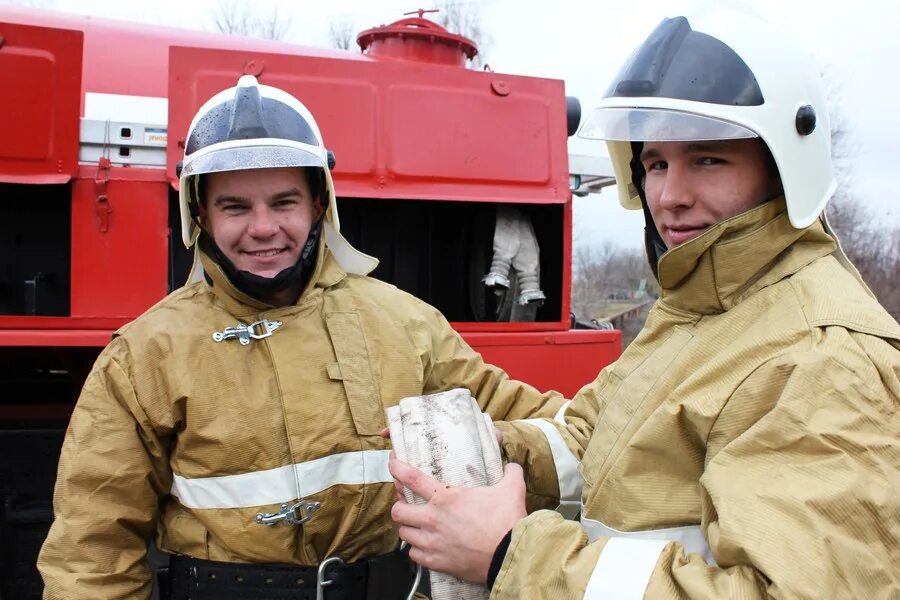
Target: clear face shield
(658, 125)
(236, 156)
(239, 155)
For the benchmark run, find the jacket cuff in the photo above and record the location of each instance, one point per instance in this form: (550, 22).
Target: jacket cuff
(497, 559)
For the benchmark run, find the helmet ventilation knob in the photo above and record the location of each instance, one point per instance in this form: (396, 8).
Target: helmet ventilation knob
(805, 120)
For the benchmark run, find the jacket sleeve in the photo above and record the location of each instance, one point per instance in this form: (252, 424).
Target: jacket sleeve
(520, 411)
(112, 472)
(799, 495)
(550, 449)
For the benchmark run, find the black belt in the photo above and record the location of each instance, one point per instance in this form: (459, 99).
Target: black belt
(386, 577)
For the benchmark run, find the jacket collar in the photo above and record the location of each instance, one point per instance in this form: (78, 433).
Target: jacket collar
(326, 274)
(712, 272)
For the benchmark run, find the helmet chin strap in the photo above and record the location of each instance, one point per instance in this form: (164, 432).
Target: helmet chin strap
(263, 288)
(653, 242)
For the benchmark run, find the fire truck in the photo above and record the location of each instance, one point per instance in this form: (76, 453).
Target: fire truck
(430, 155)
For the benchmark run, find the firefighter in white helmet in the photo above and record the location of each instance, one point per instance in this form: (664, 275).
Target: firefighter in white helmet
(237, 422)
(745, 445)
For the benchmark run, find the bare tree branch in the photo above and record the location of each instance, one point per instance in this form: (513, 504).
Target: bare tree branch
(229, 18)
(274, 26)
(234, 17)
(872, 246)
(464, 18)
(341, 34)
(608, 279)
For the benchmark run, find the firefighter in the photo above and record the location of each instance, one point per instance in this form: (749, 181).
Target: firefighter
(745, 445)
(237, 421)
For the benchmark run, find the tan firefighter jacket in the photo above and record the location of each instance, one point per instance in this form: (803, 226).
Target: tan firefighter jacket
(187, 438)
(745, 445)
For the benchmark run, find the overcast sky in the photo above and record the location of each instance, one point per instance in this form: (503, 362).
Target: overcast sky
(583, 42)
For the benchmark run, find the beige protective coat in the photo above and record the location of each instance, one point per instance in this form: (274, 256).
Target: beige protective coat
(754, 421)
(178, 436)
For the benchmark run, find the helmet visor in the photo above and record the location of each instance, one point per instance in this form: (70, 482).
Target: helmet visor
(658, 125)
(237, 158)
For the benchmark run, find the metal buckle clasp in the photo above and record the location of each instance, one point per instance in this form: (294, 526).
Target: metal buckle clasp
(244, 333)
(299, 513)
(321, 584)
(262, 329)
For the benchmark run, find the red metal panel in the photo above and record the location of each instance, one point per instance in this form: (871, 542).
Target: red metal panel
(518, 326)
(402, 130)
(82, 338)
(123, 271)
(57, 331)
(56, 323)
(40, 75)
(468, 134)
(563, 361)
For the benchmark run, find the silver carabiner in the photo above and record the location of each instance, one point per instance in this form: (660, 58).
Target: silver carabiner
(417, 580)
(321, 584)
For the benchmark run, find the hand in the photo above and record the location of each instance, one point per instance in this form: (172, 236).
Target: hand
(459, 529)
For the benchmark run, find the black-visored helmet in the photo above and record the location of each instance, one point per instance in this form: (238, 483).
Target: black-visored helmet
(722, 73)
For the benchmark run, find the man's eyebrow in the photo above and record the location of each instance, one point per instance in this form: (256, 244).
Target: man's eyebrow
(226, 199)
(705, 147)
(649, 153)
(287, 193)
(691, 147)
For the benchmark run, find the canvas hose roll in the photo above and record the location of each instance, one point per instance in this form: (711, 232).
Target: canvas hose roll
(446, 436)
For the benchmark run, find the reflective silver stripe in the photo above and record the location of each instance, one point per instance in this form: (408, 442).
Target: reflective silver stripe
(624, 569)
(567, 474)
(567, 508)
(560, 416)
(689, 536)
(274, 486)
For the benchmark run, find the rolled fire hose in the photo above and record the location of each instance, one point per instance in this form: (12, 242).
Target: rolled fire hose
(448, 437)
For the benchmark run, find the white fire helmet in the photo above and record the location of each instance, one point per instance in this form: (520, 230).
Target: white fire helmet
(721, 74)
(254, 126)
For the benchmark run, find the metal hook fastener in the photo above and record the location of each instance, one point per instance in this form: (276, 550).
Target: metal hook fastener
(289, 515)
(244, 333)
(321, 584)
(228, 333)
